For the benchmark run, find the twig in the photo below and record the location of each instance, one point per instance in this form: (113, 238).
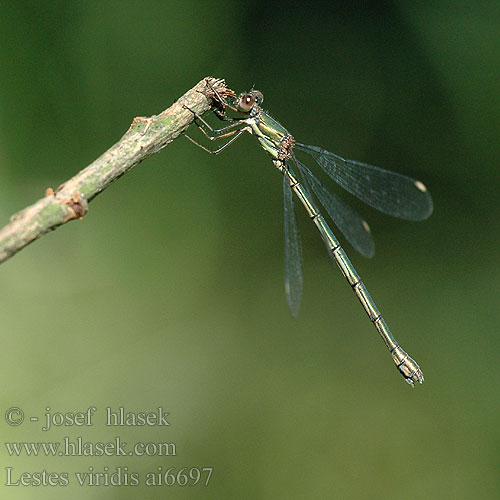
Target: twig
(146, 135)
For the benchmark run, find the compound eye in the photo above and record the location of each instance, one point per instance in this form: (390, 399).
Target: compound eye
(246, 102)
(259, 97)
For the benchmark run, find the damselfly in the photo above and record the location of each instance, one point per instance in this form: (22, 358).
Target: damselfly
(389, 192)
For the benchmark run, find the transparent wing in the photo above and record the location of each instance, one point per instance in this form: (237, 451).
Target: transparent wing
(350, 223)
(293, 252)
(389, 192)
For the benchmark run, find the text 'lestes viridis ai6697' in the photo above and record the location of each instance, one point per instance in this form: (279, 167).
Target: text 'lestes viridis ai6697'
(389, 192)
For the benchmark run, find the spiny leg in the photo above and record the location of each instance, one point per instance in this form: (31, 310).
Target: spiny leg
(235, 122)
(234, 133)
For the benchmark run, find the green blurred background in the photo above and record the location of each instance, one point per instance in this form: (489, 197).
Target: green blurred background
(170, 292)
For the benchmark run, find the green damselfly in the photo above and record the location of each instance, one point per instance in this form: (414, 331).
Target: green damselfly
(389, 192)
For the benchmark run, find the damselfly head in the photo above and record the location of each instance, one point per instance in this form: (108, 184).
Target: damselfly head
(247, 101)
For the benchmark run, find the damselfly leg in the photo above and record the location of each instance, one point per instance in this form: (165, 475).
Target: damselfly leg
(219, 133)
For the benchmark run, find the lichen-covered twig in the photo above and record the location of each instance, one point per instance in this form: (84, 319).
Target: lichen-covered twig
(146, 136)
